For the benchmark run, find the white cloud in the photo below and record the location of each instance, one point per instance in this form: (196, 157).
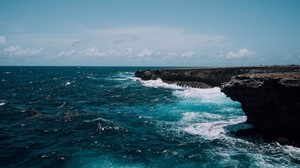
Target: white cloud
(241, 53)
(92, 52)
(128, 52)
(145, 52)
(130, 42)
(2, 40)
(19, 51)
(188, 54)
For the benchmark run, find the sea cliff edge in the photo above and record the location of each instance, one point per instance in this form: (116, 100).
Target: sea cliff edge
(269, 95)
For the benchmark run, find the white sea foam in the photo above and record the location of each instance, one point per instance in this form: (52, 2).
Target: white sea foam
(68, 83)
(91, 77)
(188, 116)
(97, 119)
(216, 129)
(158, 83)
(292, 151)
(212, 95)
(121, 76)
(199, 116)
(2, 103)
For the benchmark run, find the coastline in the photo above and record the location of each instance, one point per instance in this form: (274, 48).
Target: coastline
(269, 95)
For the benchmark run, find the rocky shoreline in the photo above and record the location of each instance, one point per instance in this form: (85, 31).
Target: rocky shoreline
(269, 95)
(207, 77)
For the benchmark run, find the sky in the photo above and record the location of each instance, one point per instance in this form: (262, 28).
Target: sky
(149, 32)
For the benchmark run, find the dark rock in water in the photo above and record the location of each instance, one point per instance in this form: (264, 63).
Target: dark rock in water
(271, 101)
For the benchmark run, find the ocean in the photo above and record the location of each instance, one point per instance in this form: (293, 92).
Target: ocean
(105, 117)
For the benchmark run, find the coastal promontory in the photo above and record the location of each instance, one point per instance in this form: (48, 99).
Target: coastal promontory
(269, 95)
(271, 101)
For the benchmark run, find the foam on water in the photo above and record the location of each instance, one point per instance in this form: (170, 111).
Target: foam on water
(67, 83)
(212, 130)
(188, 117)
(3, 102)
(158, 83)
(212, 95)
(121, 76)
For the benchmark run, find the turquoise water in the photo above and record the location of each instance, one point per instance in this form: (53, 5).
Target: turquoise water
(105, 117)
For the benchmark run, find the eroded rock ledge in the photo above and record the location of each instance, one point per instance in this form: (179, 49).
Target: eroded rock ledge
(207, 77)
(271, 101)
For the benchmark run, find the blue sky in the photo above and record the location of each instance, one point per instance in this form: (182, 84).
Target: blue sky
(149, 32)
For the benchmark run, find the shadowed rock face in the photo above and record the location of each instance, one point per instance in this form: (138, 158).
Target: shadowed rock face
(271, 101)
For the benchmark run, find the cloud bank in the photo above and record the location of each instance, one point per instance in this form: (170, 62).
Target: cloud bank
(133, 45)
(19, 51)
(241, 53)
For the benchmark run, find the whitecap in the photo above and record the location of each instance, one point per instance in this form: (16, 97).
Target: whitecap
(216, 129)
(199, 116)
(293, 152)
(62, 105)
(68, 83)
(121, 76)
(97, 119)
(188, 116)
(158, 83)
(2, 103)
(211, 95)
(92, 77)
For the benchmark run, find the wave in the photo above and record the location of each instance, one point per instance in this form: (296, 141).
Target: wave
(199, 116)
(208, 95)
(211, 95)
(121, 76)
(67, 83)
(3, 102)
(158, 83)
(216, 129)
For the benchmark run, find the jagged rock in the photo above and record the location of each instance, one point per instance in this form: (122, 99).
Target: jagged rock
(271, 101)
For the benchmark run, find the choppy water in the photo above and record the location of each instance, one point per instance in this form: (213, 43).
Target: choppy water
(104, 117)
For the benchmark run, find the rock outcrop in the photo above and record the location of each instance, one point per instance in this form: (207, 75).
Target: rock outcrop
(271, 101)
(269, 96)
(207, 77)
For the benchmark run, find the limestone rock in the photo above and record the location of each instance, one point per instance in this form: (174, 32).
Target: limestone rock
(271, 101)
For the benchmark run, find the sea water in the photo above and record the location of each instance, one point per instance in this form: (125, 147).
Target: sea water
(105, 117)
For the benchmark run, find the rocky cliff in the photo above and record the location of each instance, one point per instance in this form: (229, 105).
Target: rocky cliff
(271, 101)
(207, 77)
(269, 96)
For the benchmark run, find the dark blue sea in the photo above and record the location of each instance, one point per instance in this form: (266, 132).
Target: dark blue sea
(105, 117)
